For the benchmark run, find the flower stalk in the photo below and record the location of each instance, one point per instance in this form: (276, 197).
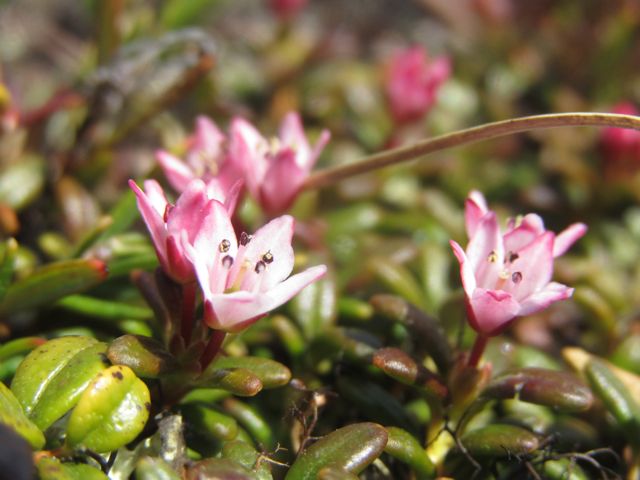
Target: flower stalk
(329, 176)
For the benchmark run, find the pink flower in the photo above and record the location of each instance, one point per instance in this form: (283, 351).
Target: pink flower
(275, 170)
(172, 228)
(242, 281)
(287, 9)
(621, 146)
(413, 82)
(204, 159)
(506, 275)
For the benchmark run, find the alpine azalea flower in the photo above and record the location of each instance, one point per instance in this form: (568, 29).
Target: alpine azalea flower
(174, 227)
(204, 159)
(506, 275)
(413, 82)
(275, 170)
(243, 279)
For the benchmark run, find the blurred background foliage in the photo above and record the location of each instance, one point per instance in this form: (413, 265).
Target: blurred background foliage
(90, 89)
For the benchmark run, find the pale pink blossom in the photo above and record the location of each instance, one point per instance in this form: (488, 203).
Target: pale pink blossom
(243, 279)
(274, 170)
(413, 81)
(506, 275)
(204, 159)
(172, 228)
(621, 146)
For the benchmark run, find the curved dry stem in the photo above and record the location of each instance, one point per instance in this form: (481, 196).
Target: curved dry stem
(487, 131)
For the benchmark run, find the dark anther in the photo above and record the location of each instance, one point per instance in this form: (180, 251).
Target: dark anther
(516, 277)
(267, 257)
(224, 246)
(512, 256)
(245, 238)
(227, 261)
(260, 266)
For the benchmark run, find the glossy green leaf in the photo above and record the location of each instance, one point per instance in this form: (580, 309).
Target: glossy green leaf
(145, 356)
(563, 469)
(314, 308)
(107, 309)
(42, 365)
(149, 468)
(400, 366)
(64, 387)
(111, 412)
(616, 397)
(52, 282)
(210, 422)
(499, 441)
(20, 346)
(8, 251)
(238, 381)
(28, 174)
(50, 468)
(397, 278)
(350, 448)
(247, 456)
(404, 446)
(271, 373)
(560, 390)
(11, 414)
(627, 354)
(334, 473)
(251, 419)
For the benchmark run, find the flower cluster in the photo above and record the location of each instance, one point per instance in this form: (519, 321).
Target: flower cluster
(241, 278)
(508, 274)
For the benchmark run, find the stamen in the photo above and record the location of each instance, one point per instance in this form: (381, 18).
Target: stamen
(167, 211)
(516, 277)
(245, 238)
(267, 257)
(493, 257)
(227, 261)
(224, 246)
(260, 266)
(512, 257)
(504, 274)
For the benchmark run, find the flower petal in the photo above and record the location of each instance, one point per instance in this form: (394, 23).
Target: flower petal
(492, 310)
(535, 266)
(293, 137)
(486, 252)
(475, 207)
(568, 237)
(282, 182)
(245, 148)
(188, 213)
(466, 272)
(231, 310)
(527, 230)
(541, 299)
(152, 218)
(177, 172)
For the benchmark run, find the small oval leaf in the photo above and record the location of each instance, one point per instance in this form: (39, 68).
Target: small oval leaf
(145, 356)
(235, 380)
(210, 422)
(219, 468)
(149, 468)
(404, 446)
(271, 373)
(552, 388)
(111, 412)
(50, 468)
(349, 448)
(52, 282)
(499, 441)
(12, 415)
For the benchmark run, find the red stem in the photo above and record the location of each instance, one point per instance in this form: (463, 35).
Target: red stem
(188, 311)
(477, 350)
(212, 348)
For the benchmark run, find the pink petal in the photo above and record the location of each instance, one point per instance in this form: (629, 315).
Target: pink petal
(274, 238)
(245, 148)
(207, 137)
(177, 172)
(178, 265)
(535, 266)
(517, 237)
(492, 310)
(466, 272)
(325, 136)
(230, 310)
(153, 219)
(155, 194)
(292, 135)
(188, 214)
(486, 252)
(281, 183)
(568, 237)
(541, 299)
(475, 208)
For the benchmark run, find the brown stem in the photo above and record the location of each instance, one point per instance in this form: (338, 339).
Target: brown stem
(212, 348)
(478, 349)
(487, 131)
(188, 311)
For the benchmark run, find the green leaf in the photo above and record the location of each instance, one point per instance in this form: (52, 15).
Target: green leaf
(107, 309)
(271, 373)
(238, 381)
(250, 418)
(247, 456)
(50, 468)
(314, 308)
(42, 366)
(559, 390)
(210, 422)
(12, 415)
(149, 468)
(499, 441)
(350, 448)
(111, 412)
(145, 356)
(7, 262)
(20, 346)
(52, 282)
(219, 468)
(21, 182)
(398, 278)
(404, 446)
